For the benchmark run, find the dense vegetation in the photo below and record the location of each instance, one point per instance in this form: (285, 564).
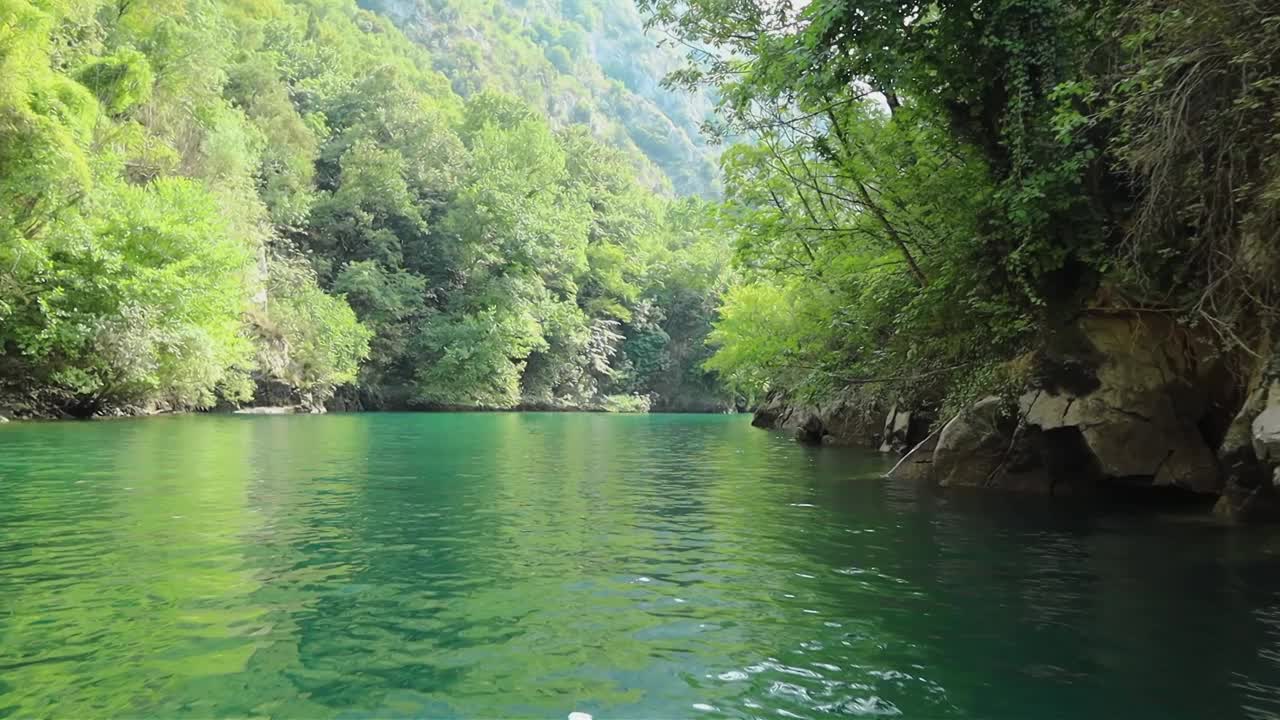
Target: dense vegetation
(586, 62)
(438, 203)
(933, 188)
(202, 201)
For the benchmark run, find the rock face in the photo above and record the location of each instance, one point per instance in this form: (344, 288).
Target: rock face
(275, 410)
(986, 446)
(972, 446)
(917, 464)
(983, 447)
(903, 430)
(274, 397)
(1128, 402)
(1249, 456)
(1140, 403)
(852, 419)
(1266, 428)
(847, 420)
(1123, 400)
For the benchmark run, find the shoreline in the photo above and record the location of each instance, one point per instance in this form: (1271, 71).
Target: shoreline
(269, 411)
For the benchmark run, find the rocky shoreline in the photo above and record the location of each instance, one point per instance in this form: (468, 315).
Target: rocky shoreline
(1128, 402)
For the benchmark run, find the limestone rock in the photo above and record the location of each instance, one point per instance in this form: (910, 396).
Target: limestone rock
(1130, 435)
(1266, 428)
(848, 419)
(1137, 394)
(897, 429)
(273, 410)
(917, 464)
(771, 413)
(984, 447)
(1118, 399)
(811, 430)
(971, 446)
(1047, 410)
(1250, 482)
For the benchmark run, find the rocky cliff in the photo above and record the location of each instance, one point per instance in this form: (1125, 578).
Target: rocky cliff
(1131, 402)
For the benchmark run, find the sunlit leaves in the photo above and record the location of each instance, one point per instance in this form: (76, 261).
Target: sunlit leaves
(199, 196)
(149, 303)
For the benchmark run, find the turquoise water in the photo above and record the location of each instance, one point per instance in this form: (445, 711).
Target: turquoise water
(533, 565)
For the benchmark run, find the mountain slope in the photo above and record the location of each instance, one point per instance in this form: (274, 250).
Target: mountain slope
(578, 61)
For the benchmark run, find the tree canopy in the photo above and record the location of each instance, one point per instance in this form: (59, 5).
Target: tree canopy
(202, 200)
(926, 190)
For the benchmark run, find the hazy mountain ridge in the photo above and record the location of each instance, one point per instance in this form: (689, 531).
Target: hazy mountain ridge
(579, 61)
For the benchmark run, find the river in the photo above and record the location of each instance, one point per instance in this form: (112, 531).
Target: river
(535, 565)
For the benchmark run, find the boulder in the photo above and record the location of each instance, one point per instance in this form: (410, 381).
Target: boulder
(1123, 399)
(1248, 490)
(1248, 461)
(917, 464)
(811, 430)
(984, 447)
(1132, 387)
(971, 447)
(770, 413)
(1266, 427)
(1145, 442)
(849, 419)
(896, 434)
(3, 419)
(271, 410)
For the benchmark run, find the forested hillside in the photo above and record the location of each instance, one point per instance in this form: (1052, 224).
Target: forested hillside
(206, 202)
(587, 62)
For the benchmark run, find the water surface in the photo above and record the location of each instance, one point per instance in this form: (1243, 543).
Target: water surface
(531, 565)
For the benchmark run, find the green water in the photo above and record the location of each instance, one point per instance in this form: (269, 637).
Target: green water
(534, 565)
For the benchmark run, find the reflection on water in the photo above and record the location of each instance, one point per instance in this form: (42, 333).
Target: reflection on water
(626, 566)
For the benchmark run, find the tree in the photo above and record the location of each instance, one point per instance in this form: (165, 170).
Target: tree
(144, 305)
(202, 199)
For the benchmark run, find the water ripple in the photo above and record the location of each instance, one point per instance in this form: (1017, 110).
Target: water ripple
(528, 565)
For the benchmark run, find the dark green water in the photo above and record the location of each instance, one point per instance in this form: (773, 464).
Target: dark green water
(625, 566)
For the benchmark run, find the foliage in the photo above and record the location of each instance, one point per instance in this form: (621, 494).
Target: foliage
(120, 81)
(1196, 109)
(201, 196)
(925, 190)
(324, 341)
(626, 404)
(141, 301)
(585, 62)
(476, 360)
